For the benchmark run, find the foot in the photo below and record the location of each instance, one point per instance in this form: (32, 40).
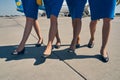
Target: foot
(77, 46)
(91, 44)
(18, 52)
(39, 43)
(48, 51)
(71, 50)
(72, 46)
(105, 57)
(58, 44)
(78, 43)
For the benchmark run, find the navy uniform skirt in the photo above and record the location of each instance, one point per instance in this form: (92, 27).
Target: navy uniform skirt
(102, 9)
(53, 7)
(76, 8)
(30, 8)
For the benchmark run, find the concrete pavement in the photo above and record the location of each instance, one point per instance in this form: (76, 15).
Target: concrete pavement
(85, 64)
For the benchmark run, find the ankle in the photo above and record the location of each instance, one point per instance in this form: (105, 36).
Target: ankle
(19, 49)
(78, 41)
(91, 40)
(72, 47)
(40, 39)
(102, 51)
(58, 41)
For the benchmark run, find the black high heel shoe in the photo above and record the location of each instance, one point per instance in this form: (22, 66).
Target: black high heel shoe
(18, 53)
(39, 44)
(71, 50)
(77, 46)
(105, 59)
(90, 45)
(57, 46)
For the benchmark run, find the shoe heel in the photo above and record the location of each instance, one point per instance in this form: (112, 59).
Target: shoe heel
(39, 44)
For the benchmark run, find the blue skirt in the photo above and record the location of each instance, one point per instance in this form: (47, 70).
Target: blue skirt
(102, 9)
(53, 7)
(30, 8)
(76, 8)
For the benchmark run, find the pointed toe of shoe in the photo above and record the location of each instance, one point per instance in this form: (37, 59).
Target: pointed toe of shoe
(71, 50)
(105, 59)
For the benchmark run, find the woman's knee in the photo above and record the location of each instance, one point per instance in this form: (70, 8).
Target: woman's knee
(106, 20)
(93, 22)
(53, 20)
(30, 19)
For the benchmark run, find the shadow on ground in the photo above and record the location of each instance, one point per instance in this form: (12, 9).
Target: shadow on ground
(32, 52)
(65, 55)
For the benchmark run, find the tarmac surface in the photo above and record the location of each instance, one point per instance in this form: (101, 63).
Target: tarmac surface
(84, 64)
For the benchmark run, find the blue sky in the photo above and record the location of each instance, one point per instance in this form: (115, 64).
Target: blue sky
(8, 7)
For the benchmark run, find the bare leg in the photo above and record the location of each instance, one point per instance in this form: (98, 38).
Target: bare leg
(52, 33)
(28, 28)
(76, 31)
(105, 35)
(92, 30)
(78, 38)
(37, 30)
